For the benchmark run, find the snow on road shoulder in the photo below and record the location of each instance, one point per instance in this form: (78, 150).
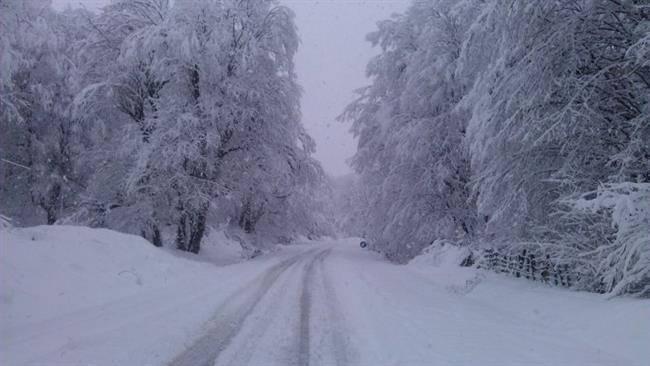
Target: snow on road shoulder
(73, 295)
(216, 247)
(440, 263)
(619, 326)
(81, 295)
(47, 270)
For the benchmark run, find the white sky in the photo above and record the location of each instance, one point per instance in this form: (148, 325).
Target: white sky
(330, 63)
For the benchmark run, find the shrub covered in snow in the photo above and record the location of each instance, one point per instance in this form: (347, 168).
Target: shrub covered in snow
(621, 263)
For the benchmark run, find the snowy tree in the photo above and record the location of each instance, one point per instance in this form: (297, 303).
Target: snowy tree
(40, 144)
(561, 110)
(155, 117)
(411, 148)
(487, 120)
(211, 92)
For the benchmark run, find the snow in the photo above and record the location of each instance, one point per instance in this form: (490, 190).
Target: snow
(611, 328)
(217, 247)
(446, 259)
(79, 295)
(413, 315)
(73, 295)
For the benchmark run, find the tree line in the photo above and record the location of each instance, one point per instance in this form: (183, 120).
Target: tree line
(158, 118)
(511, 126)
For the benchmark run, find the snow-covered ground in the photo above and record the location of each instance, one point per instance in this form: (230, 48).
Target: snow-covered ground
(71, 295)
(92, 296)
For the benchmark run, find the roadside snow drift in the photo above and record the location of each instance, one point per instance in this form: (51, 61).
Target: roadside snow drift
(79, 296)
(604, 329)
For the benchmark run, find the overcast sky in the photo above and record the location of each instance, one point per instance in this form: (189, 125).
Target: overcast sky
(330, 64)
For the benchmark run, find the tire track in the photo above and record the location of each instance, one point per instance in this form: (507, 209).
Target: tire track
(305, 308)
(231, 315)
(276, 305)
(342, 351)
(282, 304)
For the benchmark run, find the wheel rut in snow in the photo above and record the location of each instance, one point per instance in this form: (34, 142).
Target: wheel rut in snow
(305, 308)
(230, 317)
(335, 339)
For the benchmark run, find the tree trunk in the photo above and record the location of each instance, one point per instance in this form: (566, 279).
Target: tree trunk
(197, 231)
(247, 219)
(181, 235)
(191, 228)
(157, 238)
(151, 232)
(51, 215)
(49, 203)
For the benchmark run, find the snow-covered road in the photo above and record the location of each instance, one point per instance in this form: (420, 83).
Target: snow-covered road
(326, 303)
(269, 320)
(338, 305)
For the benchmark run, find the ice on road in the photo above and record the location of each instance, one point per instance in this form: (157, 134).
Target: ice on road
(329, 303)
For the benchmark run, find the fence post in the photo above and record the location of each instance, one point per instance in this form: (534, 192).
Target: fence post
(526, 264)
(532, 266)
(510, 265)
(520, 260)
(546, 269)
(560, 270)
(568, 277)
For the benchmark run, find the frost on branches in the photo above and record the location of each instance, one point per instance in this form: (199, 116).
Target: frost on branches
(622, 265)
(159, 118)
(486, 119)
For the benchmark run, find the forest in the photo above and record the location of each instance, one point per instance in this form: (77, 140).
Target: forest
(157, 119)
(496, 126)
(510, 126)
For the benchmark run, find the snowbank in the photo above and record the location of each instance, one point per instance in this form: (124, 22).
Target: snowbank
(441, 261)
(47, 269)
(217, 247)
(618, 326)
(72, 294)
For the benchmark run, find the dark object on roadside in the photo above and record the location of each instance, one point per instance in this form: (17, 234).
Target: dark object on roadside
(256, 253)
(363, 244)
(468, 261)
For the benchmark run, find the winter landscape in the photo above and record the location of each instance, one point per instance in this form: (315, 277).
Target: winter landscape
(290, 182)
